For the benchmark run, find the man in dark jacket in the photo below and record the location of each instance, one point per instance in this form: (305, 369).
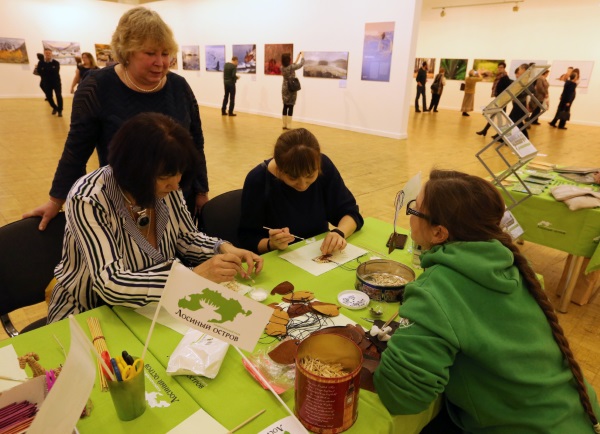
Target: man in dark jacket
(421, 80)
(48, 69)
(229, 79)
(501, 82)
(566, 100)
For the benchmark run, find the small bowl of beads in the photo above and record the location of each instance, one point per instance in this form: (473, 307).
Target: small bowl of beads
(383, 279)
(352, 299)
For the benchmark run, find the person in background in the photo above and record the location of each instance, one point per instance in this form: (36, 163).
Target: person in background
(128, 220)
(501, 82)
(288, 70)
(229, 79)
(421, 79)
(49, 71)
(297, 192)
(469, 97)
(40, 58)
(566, 101)
(517, 114)
(577, 75)
(541, 94)
(478, 327)
(566, 75)
(437, 88)
(83, 68)
(141, 82)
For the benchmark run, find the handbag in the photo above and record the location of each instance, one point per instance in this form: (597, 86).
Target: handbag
(564, 116)
(462, 86)
(294, 84)
(35, 71)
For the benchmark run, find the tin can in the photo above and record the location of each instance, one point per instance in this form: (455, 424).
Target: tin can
(328, 405)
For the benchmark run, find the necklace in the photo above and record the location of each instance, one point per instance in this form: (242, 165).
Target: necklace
(142, 216)
(139, 88)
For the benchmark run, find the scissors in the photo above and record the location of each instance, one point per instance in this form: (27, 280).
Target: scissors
(130, 371)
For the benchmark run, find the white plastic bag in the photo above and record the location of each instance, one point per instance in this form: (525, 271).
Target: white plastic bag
(197, 354)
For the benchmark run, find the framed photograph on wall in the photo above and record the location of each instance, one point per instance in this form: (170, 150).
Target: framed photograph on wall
(326, 64)
(215, 57)
(273, 54)
(13, 50)
(430, 66)
(456, 69)
(246, 55)
(515, 63)
(560, 68)
(190, 57)
(377, 51)
(63, 52)
(487, 68)
(104, 56)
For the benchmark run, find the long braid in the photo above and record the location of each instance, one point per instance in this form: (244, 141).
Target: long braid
(534, 287)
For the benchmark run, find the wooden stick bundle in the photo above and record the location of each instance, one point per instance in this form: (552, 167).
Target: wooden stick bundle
(100, 345)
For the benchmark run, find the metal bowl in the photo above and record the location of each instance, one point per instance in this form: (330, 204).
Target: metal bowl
(383, 280)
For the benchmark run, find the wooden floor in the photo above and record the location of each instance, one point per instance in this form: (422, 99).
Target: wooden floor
(374, 168)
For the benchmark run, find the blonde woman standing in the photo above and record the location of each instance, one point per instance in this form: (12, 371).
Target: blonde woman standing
(469, 98)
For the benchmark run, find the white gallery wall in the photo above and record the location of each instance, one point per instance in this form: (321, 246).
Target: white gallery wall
(311, 25)
(541, 29)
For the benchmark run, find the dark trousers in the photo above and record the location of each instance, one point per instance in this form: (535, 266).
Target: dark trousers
(515, 114)
(562, 107)
(288, 110)
(229, 96)
(48, 88)
(435, 100)
(420, 91)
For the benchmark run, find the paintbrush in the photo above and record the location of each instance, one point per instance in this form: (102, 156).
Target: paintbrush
(295, 236)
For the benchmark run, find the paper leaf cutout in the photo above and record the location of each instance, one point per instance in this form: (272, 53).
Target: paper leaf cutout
(298, 296)
(283, 288)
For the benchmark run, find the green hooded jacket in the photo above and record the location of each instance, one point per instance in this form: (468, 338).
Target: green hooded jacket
(471, 329)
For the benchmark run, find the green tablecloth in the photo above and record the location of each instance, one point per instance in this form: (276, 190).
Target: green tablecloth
(551, 223)
(172, 408)
(233, 395)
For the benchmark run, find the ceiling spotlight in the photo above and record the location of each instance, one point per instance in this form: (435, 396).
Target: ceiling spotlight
(443, 13)
(516, 8)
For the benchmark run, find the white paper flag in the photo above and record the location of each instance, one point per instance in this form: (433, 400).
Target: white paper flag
(214, 309)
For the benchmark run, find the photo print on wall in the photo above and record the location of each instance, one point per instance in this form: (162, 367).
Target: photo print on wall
(273, 54)
(558, 73)
(377, 51)
(63, 52)
(190, 57)
(104, 56)
(456, 69)
(487, 68)
(246, 55)
(515, 63)
(13, 50)
(430, 66)
(215, 57)
(326, 64)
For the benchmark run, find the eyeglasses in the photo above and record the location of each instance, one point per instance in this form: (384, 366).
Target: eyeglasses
(410, 210)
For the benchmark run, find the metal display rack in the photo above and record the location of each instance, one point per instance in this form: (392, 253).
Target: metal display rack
(509, 133)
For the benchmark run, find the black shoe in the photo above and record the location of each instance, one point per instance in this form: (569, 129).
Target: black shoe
(223, 114)
(60, 114)
(54, 111)
(481, 133)
(551, 124)
(495, 136)
(435, 110)
(465, 114)
(417, 111)
(426, 111)
(232, 114)
(562, 128)
(535, 123)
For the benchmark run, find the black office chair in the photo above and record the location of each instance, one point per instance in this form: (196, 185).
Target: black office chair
(27, 260)
(220, 216)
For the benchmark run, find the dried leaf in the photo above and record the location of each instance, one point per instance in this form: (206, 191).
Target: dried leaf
(298, 296)
(279, 317)
(283, 288)
(285, 352)
(327, 309)
(298, 309)
(273, 329)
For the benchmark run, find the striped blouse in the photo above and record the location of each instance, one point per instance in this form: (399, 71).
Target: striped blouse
(106, 260)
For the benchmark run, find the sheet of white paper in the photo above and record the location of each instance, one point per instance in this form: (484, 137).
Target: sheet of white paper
(65, 402)
(303, 258)
(33, 390)
(163, 318)
(299, 333)
(10, 368)
(214, 309)
(288, 424)
(197, 420)
(412, 188)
